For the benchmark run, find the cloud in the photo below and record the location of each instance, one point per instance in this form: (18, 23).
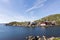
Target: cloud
(5, 17)
(37, 4)
(8, 16)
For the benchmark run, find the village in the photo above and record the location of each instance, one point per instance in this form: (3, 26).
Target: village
(43, 23)
(33, 24)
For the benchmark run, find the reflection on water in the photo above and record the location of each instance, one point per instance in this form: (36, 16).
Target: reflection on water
(19, 33)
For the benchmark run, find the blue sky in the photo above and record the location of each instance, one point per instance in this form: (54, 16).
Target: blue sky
(27, 10)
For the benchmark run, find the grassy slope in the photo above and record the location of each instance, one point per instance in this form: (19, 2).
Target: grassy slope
(55, 17)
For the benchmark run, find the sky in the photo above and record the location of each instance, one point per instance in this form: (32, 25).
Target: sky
(27, 10)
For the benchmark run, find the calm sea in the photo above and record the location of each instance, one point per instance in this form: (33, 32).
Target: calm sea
(20, 33)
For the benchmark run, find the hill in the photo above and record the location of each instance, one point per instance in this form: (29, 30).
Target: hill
(54, 17)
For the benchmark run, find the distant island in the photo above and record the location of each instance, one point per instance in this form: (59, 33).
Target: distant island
(46, 21)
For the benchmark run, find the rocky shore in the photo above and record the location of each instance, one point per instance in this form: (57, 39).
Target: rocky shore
(32, 24)
(41, 38)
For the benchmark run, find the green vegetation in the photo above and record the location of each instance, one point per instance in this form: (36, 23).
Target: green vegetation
(18, 23)
(55, 17)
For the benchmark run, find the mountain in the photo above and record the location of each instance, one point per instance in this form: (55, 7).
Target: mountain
(54, 17)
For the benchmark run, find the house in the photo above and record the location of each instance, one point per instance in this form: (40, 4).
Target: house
(43, 24)
(47, 23)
